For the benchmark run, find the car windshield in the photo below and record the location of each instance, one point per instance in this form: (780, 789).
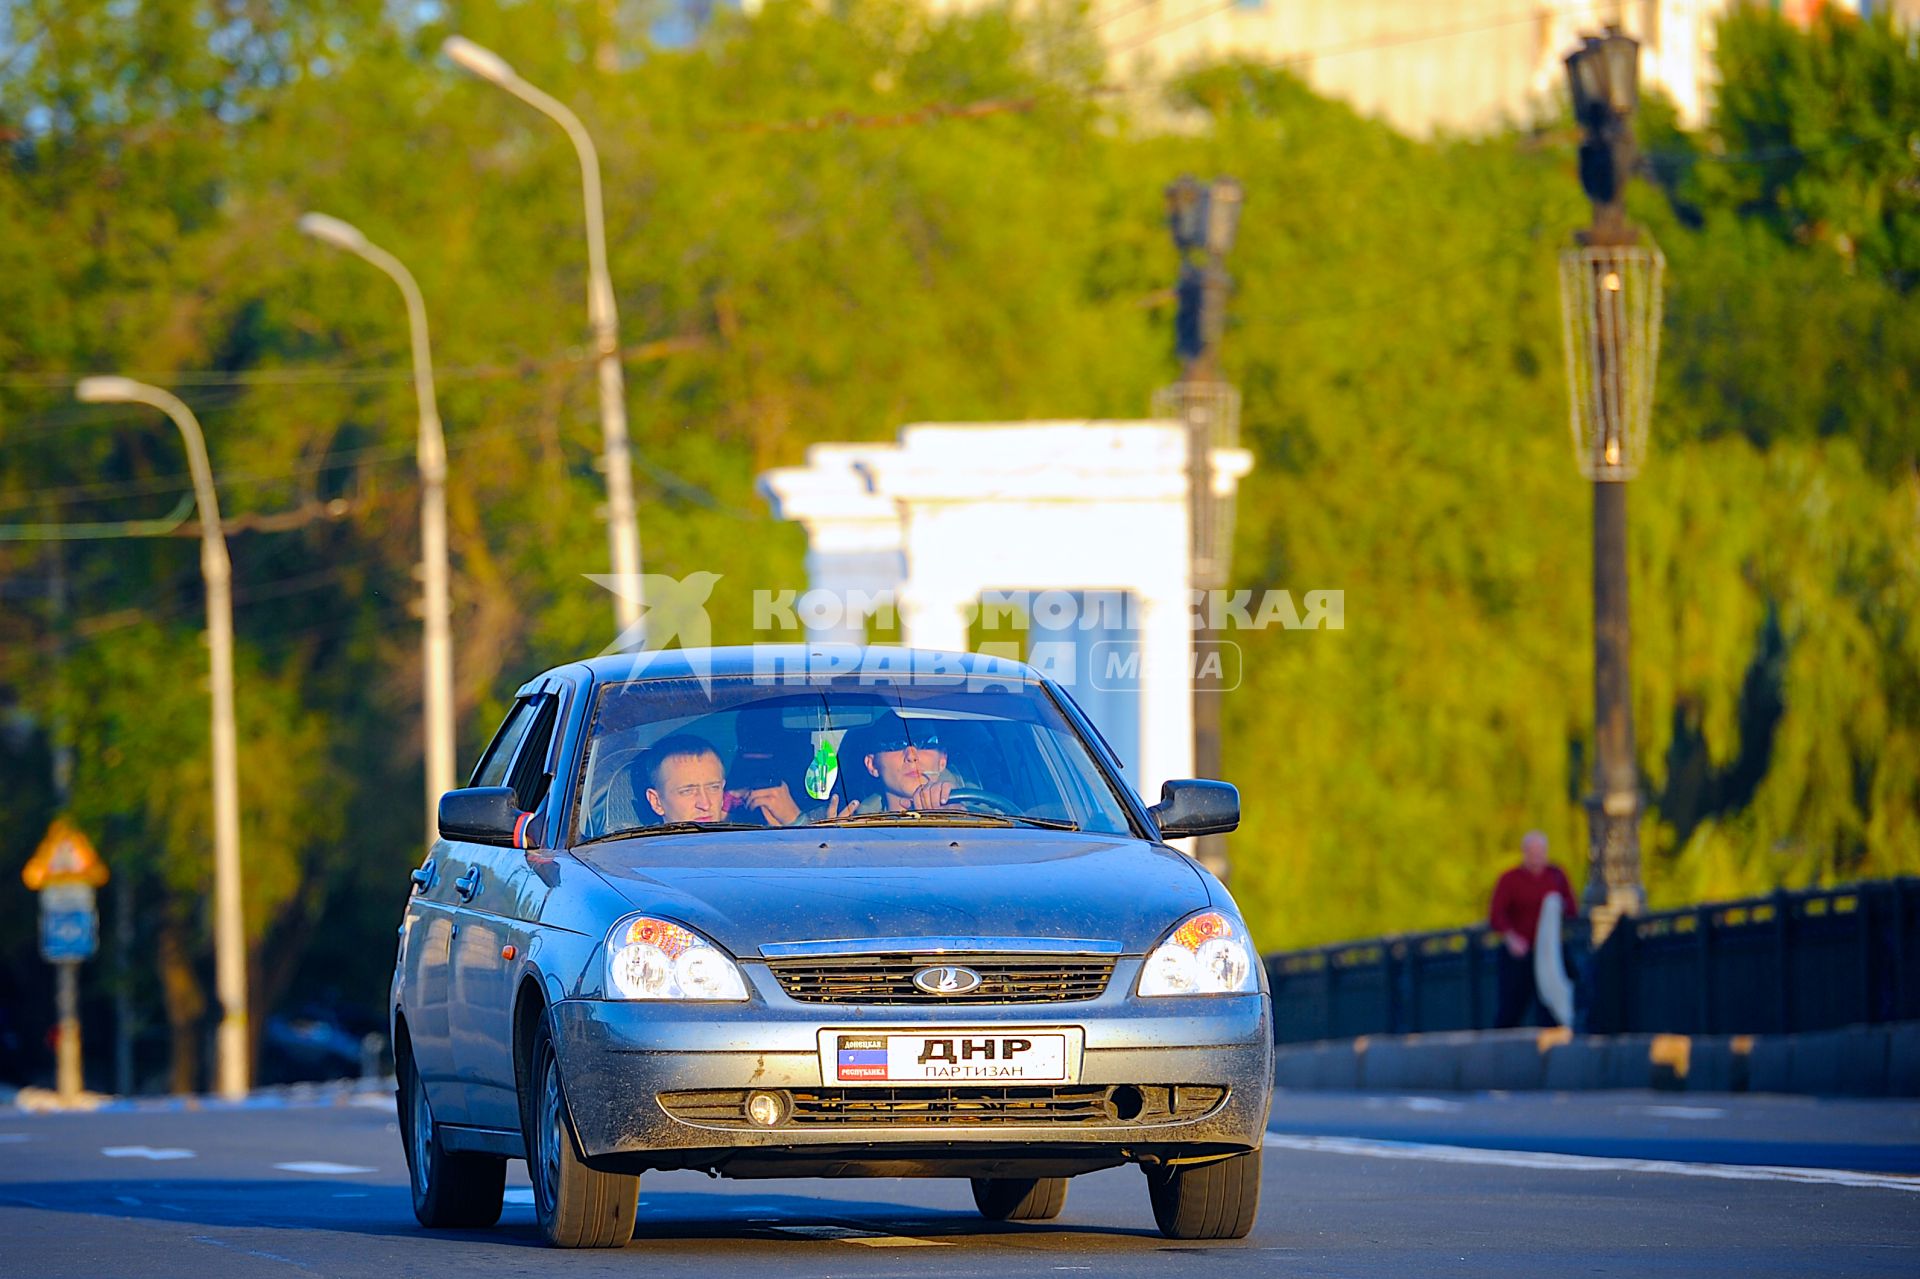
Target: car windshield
(669, 756)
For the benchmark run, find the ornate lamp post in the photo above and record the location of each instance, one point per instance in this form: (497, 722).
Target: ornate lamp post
(1610, 306)
(1204, 218)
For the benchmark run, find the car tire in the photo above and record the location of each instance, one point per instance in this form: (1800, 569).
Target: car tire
(576, 1206)
(1207, 1201)
(450, 1191)
(1020, 1198)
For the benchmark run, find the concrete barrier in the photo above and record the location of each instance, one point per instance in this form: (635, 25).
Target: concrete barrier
(1333, 1067)
(1711, 1065)
(1510, 1062)
(1903, 1059)
(1860, 1061)
(1410, 1063)
(1770, 1063)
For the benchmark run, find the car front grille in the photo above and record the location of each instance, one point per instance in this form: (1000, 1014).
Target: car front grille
(888, 979)
(1084, 1106)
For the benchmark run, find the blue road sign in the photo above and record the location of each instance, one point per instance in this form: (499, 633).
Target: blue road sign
(67, 936)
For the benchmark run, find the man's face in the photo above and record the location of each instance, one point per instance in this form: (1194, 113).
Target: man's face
(905, 770)
(1533, 855)
(691, 789)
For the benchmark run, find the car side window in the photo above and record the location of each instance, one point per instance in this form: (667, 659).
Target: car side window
(493, 765)
(530, 777)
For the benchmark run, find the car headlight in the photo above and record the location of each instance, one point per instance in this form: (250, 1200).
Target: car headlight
(1206, 954)
(650, 958)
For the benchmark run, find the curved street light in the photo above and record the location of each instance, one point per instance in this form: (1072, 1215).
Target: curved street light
(431, 452)
(623, 529)
(229, 930)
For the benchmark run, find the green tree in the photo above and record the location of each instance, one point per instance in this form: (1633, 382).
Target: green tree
(826, 224)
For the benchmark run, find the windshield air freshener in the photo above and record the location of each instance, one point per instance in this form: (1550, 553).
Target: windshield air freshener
(824, 770)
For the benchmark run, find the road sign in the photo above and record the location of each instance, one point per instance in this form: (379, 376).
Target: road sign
(65, 855)
(69, 926)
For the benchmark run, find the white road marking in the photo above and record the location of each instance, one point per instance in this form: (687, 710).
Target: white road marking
(8, 1138)
(871, 1238)
(321, 1168)
(251, 1252)
(144, 1152)
(1431, 1105)
(1589, 1163)
(1675, 1112)
(521, 1196)
(128, 1200)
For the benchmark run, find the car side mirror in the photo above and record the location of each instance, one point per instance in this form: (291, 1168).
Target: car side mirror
(1195, 807)
(480, 815)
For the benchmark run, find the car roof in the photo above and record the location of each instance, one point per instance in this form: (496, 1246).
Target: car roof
(813, 661)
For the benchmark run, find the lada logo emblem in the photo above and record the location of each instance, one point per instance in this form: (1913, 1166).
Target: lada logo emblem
(947, 979)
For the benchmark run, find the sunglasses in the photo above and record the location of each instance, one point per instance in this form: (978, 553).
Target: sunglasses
(924, 741)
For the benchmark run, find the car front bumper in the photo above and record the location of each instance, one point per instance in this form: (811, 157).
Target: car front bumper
(617, 1058)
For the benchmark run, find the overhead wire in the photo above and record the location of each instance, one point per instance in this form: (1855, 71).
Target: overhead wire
(657, 349)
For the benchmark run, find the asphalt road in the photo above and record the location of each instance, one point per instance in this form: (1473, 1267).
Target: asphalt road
(1519, 1185)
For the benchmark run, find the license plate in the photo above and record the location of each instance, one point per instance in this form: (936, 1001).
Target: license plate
(1020, 1056)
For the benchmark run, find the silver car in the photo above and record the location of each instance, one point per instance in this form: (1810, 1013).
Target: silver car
(778, 912)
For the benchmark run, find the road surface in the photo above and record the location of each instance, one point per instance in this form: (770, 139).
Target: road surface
(1586, 1184)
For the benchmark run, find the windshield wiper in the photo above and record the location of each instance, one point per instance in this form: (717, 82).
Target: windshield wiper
(947, 817)
(1046, 823)
(669, 828)
(909, 816)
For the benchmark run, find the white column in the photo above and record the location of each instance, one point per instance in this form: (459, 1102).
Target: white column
(859, 578)
(934, 621)
(1166, 694)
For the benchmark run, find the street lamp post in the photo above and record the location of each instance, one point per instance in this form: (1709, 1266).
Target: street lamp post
(1610, 304)
(229, 931)
(623, 529)
(431, 452)
(1204, 218)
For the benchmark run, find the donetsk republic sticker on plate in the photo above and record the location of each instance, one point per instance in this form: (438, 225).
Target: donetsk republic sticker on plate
(1015, 1056)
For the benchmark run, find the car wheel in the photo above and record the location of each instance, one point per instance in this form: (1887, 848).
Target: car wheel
(449, 1190)
(1208, 1201)
(576, 1206)
(1020, 1198)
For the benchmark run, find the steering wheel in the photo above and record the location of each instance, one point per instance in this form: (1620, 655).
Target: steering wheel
(991, 799)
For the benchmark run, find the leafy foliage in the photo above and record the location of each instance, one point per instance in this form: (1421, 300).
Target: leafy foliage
(825, 225)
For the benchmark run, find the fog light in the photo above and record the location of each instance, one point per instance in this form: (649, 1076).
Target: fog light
(764, 1108)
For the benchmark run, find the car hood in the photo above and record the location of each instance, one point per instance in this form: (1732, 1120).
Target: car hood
(748, 889)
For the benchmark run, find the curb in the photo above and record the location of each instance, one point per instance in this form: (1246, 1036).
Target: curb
(1859, 1061)
(340, 1092)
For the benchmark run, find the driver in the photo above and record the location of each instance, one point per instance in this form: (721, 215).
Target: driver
(908, 762)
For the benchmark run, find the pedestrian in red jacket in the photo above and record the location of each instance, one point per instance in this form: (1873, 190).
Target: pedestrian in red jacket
(1515, 915)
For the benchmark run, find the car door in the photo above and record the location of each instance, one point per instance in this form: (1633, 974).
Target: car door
(426, 935)
(501, 903)
(432, 930)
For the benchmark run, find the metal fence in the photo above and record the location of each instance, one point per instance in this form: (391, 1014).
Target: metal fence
(1785, 963)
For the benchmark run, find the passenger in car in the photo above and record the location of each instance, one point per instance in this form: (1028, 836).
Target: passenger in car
(685, 780)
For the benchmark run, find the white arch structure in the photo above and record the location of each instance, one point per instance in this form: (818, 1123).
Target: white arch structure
(953, 511)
